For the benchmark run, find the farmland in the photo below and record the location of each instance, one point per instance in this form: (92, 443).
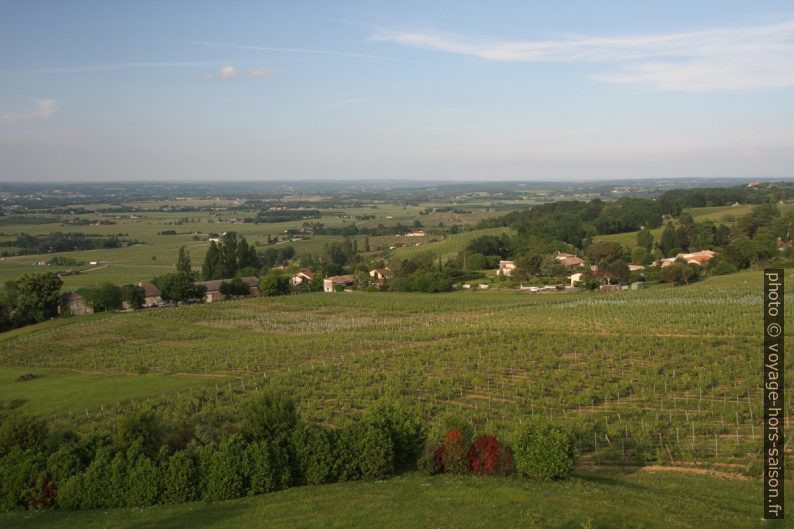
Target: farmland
(663, 375)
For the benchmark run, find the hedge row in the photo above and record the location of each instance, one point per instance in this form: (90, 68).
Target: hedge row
(134, 467)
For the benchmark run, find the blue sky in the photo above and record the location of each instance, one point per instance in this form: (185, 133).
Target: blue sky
(420, 90)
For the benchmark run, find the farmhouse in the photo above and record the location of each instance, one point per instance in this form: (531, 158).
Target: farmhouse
(303, 276)
(415, 234)
(699, 258)
(151, 295)
(575, 278)
(214, 288)
(331, 283)
(506, 268)
(380, 273)
(74, 304)
(569, 260)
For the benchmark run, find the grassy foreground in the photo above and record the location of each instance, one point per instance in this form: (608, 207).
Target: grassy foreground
(590, 500)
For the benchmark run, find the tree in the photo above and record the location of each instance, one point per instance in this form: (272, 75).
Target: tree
(133, 295)
(604, 251)
(235, 287)
(38, 297)
(179, 286)
(183, 263)
(543, 451)
(645, 239)
(104, 297)
(680, 272)
(212, 265)
(669, 240)
(274, 284)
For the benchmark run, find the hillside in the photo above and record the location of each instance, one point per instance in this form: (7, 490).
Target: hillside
(662, 375)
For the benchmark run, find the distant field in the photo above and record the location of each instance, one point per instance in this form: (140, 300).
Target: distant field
(449, 247)
(602, 500)
(156, 254)
(664, 375)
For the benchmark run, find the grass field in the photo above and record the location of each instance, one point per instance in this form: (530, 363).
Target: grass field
(664, 375)
(603, 500)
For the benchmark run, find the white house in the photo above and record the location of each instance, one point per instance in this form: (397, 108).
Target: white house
(330, 283)
(380, 273)
(303, 276)
(575, 278)
(506, 268)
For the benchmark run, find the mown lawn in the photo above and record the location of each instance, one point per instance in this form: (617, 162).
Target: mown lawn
(590, 500)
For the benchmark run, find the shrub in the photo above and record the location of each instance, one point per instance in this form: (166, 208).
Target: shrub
(454, 453)
(268, 467)
(403, 426)
(543, 451)
(225, 478)
(23, 431)
(142, 430)
(271, 415)
(314, 455)
(181, 478)
(376, 458)
(346, 466)
(96, 487)
(143, 482)
(19, 470)
(430, 460)
(488, 457)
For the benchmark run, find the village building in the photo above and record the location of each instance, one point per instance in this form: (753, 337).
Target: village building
(331, 283)
(303, 276)
(569, 260)
(699, 258)
(151, 295)
(380, 273)
(506, 268)
(214, 288)
(575, 278)
(74, 304)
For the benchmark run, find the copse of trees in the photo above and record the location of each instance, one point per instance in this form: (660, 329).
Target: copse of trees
(103, 297)
(30, 299)
(62, 242)
(232, 255)
(179, 286)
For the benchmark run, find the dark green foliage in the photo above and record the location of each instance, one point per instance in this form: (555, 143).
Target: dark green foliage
(225, 470)
(19, 430)
(276, 256)
(347, 451)
(20, 470)
(181, 478)
(35, 298)
(274, 284)
(183, 263)
(314, 454)
(235, 287)
(104, 297)
(271, 415)
(141, 430)
(133, 295)
(645, 239)
(144, 482)
(179, 286)
(229, 256)
(376, 454)
(543, 451)
(268, 467)
(718, 267)
(403, 425)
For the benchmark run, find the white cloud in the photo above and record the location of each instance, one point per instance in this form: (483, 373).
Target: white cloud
(229, 72)
(258, 74)
(742, 58)
(40, 109)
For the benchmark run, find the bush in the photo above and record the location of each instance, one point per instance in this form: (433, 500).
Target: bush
(403, 426)
(23, 431)
(430, 460)
(454, 452)
(224, 478)
(19, 470)
(143, 482)
(272, 415)
(543, 451)
(347, 452)
(488, 457)
(376, 458)
(181, 478)
(268, 467)
(314, 455)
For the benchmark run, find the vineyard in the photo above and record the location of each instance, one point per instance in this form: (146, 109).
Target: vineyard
(663, 375)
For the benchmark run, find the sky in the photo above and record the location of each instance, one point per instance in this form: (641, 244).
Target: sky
(422, 90)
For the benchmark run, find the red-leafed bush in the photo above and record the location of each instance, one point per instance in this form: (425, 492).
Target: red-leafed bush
(488, 457)
(454, 453)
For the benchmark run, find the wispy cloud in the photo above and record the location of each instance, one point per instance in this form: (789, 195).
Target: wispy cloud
(740, 58)
(39, 109)
(229, 72)
(310, 51)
